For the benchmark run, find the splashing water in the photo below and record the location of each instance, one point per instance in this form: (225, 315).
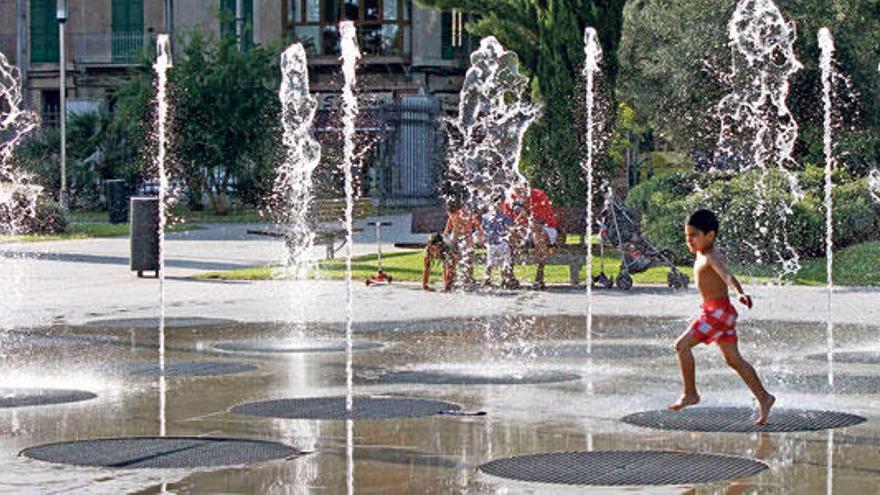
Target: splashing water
(163, 63)
(350, 56)
(758, 131)
(493, 115)
(293, 183)
(826, 63)
(592, 58)
(874, 184)
(18, 196)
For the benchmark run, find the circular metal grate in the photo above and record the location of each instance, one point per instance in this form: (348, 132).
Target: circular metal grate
(284, 347)
(190, 368)
(454, 378)
(853, 357)
(22, 397)
(624, 468)
(333, 408)
(160, 452)
(178, 321)
(741, 419)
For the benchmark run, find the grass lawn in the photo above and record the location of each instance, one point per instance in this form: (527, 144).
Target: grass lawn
(856, 265)
(87, 231)
(245, 215)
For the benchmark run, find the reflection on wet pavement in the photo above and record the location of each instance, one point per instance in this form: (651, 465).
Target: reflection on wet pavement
(438, 453)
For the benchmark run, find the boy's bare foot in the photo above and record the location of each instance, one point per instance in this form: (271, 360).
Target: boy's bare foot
(685, 401)
(764, 405)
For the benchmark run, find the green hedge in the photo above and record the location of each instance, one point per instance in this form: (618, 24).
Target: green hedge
(666, 201)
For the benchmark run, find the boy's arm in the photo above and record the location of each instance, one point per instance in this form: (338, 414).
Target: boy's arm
(717, 263)
(448, 227)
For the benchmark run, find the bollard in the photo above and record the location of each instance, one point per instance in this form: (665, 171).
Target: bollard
(117, 206)
(145, 235)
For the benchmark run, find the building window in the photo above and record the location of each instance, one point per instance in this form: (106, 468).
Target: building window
(383, 26)
(455, 42)
(44, 32)
(127, 30)
(227, 20)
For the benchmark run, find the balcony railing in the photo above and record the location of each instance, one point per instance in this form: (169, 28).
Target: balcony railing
(7, 46)
(108, 48)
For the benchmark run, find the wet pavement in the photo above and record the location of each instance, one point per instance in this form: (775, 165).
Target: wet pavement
(438, 453)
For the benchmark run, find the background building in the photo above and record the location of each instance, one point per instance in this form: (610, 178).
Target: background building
(413, 65)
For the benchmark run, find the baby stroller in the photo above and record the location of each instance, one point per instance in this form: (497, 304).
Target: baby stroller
(618, 226)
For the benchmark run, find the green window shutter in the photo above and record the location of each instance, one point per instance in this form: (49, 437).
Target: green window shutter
(127, 25)
(446, 49)
(44, 31)
(227, 25)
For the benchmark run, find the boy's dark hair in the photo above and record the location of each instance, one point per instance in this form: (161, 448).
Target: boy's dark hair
(436, 239)
(704, 220)
(453, 205)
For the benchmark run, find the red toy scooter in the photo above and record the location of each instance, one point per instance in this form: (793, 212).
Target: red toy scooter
(380, 277)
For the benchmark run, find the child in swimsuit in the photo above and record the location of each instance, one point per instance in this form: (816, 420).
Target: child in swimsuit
(717, 320)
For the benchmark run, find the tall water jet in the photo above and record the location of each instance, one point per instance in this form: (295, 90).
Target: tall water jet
(163, 63)
(493, 115)
(826, 63)
(758, 131)
(874, 184)
(350, 56)
(18, 195)
(592, 58)
(293, 191)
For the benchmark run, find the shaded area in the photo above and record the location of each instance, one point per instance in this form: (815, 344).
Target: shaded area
(843, 384)
(175, 322)
(741, 420)
(22, 397)
(853, 357)
(190, 368)
(599, 351)
(333, 408)
(462, 378)
(119, 260)
(292, 347)
(160, 452)
(624, 468)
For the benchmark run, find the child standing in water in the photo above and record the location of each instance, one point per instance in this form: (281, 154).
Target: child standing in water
(717, 321)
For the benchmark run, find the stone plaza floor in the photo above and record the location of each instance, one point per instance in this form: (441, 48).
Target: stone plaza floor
(497, 375)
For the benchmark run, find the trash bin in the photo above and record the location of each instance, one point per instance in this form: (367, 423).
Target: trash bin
(117, 206)
(145, 235)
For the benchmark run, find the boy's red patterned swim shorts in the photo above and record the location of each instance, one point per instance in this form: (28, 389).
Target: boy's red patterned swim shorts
(716, 323)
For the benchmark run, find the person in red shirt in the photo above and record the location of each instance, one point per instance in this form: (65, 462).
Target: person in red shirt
(532, 210)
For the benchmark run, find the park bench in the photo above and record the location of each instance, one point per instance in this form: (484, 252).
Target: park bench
(326, 216)
(572, 222)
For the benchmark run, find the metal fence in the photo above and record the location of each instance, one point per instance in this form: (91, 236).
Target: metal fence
(411, 153)
(7, 46)
(108, 47)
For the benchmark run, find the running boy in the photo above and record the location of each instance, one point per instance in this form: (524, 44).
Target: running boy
(717, 322)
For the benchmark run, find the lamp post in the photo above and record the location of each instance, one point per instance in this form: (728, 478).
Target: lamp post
(61, 15)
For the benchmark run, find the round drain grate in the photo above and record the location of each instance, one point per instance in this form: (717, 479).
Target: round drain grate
(333, 408)
(284, 347)
(22, 397)
(453, 378)
(818, 384)
(160, 452)
(191, 368)
(180, 321)
(741, 419)
(854, 357)
(601, 351)
(624, 468)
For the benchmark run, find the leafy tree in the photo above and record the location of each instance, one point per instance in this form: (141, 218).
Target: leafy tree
(548, 37)
(225, 117)
(674, 55)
